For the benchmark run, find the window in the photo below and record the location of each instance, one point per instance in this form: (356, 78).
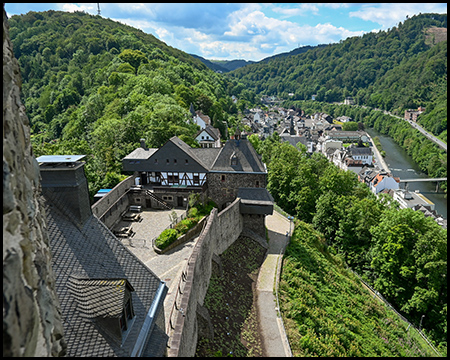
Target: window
(127, 314)
(172, 178)
(174, 161)
(196, 179)
(167, 161)
(186, 161)
(156, 161)
(222, 177)
(257, 184)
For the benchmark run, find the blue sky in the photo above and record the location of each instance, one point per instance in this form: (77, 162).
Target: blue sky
(250, 31)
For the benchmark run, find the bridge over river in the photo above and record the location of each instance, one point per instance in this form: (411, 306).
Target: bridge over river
(437, 180)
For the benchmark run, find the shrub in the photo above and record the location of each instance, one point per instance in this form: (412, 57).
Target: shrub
(193, 212)
(181, 227)
(166, 238)
(190, 222)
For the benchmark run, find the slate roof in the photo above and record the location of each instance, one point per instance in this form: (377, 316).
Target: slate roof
(360, 151)
(93, 269)
(209, 159)
(212, 131)
(206, 155)
(255, 196)
(140, 154)
(248, 160)
(100, 297)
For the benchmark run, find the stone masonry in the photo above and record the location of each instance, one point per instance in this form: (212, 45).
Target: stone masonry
(31, 313)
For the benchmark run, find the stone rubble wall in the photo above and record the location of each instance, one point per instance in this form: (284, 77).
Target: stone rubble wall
(31, 312)
(222, 230)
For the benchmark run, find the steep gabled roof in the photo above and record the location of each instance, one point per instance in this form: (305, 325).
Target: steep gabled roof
(248, 160)
(95, 273)
(212, 131)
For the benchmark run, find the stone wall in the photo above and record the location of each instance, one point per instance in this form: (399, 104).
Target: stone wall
(223, 187)
(221, 230)
(109, 208)
(31, 312)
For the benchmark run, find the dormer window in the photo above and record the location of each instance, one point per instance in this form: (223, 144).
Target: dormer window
(234, 159)
(107, 301)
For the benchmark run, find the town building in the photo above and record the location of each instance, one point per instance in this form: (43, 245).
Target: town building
(410, 199)
(175, 170)
(412, 114)
(111, 303)
(378, 180)
(208, 137)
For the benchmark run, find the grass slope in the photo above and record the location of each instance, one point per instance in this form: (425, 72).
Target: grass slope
(328, 312)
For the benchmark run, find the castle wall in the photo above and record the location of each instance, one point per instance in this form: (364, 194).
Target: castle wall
(31, 311)
(221, 230)
(223, 187)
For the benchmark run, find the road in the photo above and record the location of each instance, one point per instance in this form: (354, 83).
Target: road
(437, 141)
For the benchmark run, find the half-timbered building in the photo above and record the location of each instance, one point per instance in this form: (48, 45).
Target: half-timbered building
(169, 174)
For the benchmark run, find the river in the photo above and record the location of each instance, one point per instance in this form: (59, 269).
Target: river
(402, 165)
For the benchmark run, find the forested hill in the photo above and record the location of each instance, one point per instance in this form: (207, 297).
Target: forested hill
(401, 68)
(95, 86)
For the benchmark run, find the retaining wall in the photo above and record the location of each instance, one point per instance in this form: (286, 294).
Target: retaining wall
(110, 207)
(219, 233)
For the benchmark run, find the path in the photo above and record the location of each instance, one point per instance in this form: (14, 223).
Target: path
(274, 338)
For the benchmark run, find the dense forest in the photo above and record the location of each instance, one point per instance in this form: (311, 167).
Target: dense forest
(94, 86)
(398, 69)
(400, 252)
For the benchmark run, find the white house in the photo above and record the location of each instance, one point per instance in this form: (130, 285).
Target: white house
(383, 181)
(209, 137)
(257, 117)
(361, 153)
(201, 119)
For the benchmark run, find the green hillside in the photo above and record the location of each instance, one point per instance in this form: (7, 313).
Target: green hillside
(399, 252)
(394, 70)
(328, 312)
(94, 86)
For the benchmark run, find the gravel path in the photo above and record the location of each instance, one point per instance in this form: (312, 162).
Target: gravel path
(275, 342)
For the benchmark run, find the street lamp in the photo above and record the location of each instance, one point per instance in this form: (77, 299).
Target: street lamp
(420, 325)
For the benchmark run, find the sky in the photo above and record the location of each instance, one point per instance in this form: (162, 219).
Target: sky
(249, 31)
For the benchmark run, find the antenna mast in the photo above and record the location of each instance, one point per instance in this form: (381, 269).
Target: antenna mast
(98, 8)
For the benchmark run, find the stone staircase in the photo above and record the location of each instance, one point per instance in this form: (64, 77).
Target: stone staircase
(160, 201)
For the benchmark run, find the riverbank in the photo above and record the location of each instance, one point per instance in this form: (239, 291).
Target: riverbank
(401, 165)
(379, 161)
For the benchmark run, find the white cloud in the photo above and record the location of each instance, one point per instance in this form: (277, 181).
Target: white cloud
(390, 14)
(89, 8)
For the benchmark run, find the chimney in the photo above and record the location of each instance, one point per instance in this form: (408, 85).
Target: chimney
(64, 185)
(143, 144)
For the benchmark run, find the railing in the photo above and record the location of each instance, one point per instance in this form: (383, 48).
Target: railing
(157, 199)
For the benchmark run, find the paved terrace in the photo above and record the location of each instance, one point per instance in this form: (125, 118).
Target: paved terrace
(168, 266)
